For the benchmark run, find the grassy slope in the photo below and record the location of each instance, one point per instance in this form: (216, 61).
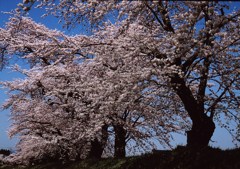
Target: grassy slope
(180, 158)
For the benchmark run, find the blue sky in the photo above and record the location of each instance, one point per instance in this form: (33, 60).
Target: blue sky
(221, 137)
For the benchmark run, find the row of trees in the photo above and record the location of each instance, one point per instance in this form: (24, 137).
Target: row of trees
(70, 105)
(144, 75)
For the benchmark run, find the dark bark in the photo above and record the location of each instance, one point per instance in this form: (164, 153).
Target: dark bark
(96, 149)
(97, 146)
(202, 125)
(120, 141)
(201, 132)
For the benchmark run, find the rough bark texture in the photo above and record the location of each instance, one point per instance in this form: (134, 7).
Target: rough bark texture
(120, 141)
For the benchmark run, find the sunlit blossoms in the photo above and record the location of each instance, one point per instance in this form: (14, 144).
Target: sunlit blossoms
(147, 70)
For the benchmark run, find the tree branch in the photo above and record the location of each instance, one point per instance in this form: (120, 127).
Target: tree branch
(155, 14)
(211, 109)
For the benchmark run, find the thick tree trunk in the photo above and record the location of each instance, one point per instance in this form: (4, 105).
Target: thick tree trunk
(120, 141)
(201, 132)
(97, 146)
(96, 149)
(203, 126)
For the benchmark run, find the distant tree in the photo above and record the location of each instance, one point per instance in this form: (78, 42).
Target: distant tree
(5, 152)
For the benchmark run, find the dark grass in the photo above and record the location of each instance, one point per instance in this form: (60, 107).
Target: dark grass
(179, 158)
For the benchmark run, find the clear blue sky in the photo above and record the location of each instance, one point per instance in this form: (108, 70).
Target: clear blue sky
(221, 138)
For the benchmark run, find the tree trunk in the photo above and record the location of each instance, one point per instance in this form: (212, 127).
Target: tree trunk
(97, 146)
(120, 141)
(203, 126)
(201, 132)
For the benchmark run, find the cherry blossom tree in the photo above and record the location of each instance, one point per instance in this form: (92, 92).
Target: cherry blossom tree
(152, 66)
(193, 47)
(86, 92)
(47, 123)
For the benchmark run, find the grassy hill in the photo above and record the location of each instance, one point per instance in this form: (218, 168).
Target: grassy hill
(180, 158)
